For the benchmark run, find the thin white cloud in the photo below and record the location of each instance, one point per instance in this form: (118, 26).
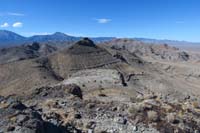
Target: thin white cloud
(28, 34)
(17, 24)
(11, 14)
(74, 34)
(15, 14)
(4, 25)
(103, 20)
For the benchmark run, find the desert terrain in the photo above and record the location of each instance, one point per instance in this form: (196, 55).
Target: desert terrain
(120, 85)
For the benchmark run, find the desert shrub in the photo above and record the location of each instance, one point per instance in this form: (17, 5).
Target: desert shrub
(135, 100)
(152, 116)
(195, 105)
(134, 109)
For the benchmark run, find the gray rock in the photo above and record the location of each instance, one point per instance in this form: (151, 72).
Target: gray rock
(91, 125)
(18, 105)
(90, 131)
(75, 90)
(120, 120)
(22, 118)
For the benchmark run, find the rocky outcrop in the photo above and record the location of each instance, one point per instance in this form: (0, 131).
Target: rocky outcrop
(161, 52)
(75, 90)
(18, 118)
(59, 91)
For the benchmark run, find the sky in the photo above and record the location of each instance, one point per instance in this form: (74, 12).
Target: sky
(158, 19)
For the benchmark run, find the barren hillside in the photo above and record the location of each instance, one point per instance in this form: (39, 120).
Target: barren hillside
(118, 86)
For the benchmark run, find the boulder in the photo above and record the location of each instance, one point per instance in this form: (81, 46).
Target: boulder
(75, 90)
(18, 105)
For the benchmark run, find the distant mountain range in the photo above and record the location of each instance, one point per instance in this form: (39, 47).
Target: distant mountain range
(9, 38)
(165, 41)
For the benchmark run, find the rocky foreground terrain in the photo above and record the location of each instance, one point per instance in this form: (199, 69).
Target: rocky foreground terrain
(119, 86)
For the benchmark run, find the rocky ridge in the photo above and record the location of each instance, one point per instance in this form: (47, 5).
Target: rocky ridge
(97, 88)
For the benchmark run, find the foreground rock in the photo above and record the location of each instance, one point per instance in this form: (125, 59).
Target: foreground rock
(17, 118)
(65, 113)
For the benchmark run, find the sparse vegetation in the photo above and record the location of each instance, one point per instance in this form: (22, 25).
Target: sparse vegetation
(196, 105)
(133, 110)
(111, 92)
(152, 116)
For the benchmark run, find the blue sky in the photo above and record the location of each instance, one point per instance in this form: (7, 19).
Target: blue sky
(160, 19)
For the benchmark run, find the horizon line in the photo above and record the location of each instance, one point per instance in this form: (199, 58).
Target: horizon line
(117, 37)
